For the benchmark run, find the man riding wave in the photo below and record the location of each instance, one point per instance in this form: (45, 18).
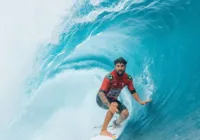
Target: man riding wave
(109, 91)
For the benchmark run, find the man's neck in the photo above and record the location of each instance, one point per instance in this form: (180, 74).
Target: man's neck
(118, 74)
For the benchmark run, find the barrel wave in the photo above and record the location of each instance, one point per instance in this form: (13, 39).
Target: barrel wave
(160, 41)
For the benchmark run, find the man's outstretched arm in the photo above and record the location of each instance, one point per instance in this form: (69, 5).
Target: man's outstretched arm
(134, 93)
(137, 98)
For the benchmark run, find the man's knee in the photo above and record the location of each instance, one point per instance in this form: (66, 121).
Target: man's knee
(114, 104)
(125, 113)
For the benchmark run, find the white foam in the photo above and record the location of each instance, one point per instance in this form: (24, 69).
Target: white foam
(77, 114)
(24, 25)
(96, 2)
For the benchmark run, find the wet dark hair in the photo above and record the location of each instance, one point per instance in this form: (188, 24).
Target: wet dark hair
(120, 60)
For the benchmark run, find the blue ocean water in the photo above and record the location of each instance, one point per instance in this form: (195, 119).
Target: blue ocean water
(159, 39)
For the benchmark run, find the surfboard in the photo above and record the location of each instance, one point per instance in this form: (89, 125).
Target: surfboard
(96, 133)
(100, 137)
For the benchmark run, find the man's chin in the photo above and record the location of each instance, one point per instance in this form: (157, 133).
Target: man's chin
(120, 73)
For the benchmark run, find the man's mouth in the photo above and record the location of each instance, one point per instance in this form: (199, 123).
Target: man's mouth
(120, 71)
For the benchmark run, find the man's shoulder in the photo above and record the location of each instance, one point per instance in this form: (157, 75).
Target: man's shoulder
(109, 76)
(128, 76)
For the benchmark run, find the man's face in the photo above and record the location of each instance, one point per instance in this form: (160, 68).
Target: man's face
(120, 68)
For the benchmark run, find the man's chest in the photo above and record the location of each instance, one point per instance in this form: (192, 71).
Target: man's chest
(117, 84)
(115, 88)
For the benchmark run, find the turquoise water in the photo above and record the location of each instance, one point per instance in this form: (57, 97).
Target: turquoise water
(159, 39)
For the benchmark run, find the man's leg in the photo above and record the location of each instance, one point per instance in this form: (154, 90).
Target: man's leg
(123, 114)
(107, 119)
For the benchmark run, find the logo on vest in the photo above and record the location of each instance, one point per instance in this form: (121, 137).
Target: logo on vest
(114, 93)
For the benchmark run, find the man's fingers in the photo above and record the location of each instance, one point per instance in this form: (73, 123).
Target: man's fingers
(114, 110)
(148, 101)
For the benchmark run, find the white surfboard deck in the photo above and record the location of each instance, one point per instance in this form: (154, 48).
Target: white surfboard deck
(100, 137)
(115, 131)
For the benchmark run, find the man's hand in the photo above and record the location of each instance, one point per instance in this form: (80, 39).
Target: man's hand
(113, 108)
(135, 95)
(144, 102)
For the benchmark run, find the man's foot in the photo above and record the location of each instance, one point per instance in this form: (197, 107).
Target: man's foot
(106, 133)
(115, 124)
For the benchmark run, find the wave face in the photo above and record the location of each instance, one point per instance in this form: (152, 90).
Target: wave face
(159, 39)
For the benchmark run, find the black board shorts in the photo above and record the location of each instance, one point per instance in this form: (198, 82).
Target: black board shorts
(121, 106)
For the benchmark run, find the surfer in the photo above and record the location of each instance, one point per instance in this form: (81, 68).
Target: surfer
(109, 91)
